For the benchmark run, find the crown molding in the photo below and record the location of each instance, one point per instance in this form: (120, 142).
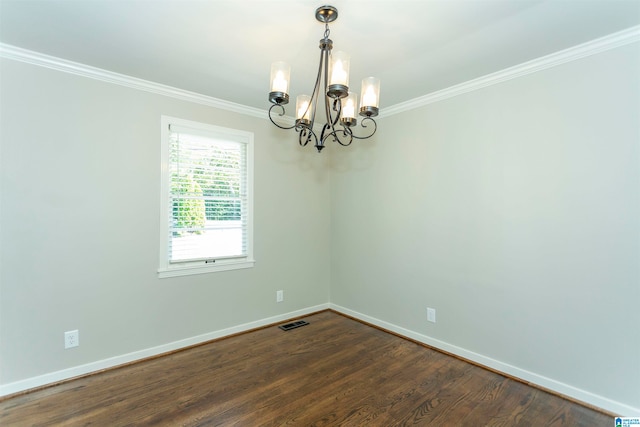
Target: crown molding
(593, 47)
(54, 63)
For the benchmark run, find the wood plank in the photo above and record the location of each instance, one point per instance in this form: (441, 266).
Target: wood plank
(334, 371)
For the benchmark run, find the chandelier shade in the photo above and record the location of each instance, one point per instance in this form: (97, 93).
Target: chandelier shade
(304, 109)
(280, 72)
(370, 95)
(332, 86)
(349, 104)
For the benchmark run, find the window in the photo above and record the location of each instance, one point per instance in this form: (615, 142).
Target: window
(206, 218)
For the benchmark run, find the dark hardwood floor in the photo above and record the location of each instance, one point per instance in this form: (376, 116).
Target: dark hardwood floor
(333, 372)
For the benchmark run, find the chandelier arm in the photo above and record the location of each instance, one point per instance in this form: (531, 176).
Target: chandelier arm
(327, 101)
(375, 128)
(346, 133)
(280, 114)
(331, 122)
(306, 133)
(337, 107)
(324, 66)
(316, 90)
(323, 134)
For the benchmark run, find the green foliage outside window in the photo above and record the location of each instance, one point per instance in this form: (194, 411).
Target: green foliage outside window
(205, 187)
(188, 204)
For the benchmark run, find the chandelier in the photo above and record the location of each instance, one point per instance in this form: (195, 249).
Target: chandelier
(339, 103)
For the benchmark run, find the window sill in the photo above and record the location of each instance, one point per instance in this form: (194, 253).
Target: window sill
(188, 270)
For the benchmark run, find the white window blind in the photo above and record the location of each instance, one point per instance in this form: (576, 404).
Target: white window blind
(207, 184)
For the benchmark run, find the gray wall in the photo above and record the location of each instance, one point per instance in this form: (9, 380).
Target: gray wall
(80, 196)
(514, 211)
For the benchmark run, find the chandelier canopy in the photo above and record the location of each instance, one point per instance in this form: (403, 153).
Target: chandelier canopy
(339, 102)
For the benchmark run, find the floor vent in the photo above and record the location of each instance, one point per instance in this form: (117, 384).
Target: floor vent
(293, 325)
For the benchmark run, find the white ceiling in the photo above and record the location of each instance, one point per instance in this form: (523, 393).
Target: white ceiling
(224, 48)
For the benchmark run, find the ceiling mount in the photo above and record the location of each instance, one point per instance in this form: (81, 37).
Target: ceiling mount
(326, 14)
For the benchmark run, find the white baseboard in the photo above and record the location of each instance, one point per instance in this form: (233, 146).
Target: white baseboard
(609, 405)
(65, 374)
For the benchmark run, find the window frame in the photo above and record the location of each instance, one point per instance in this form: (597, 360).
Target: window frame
(173, 269)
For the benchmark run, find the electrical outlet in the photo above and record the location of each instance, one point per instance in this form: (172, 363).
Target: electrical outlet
(279, 296)
(431, 314)
(71, 339)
